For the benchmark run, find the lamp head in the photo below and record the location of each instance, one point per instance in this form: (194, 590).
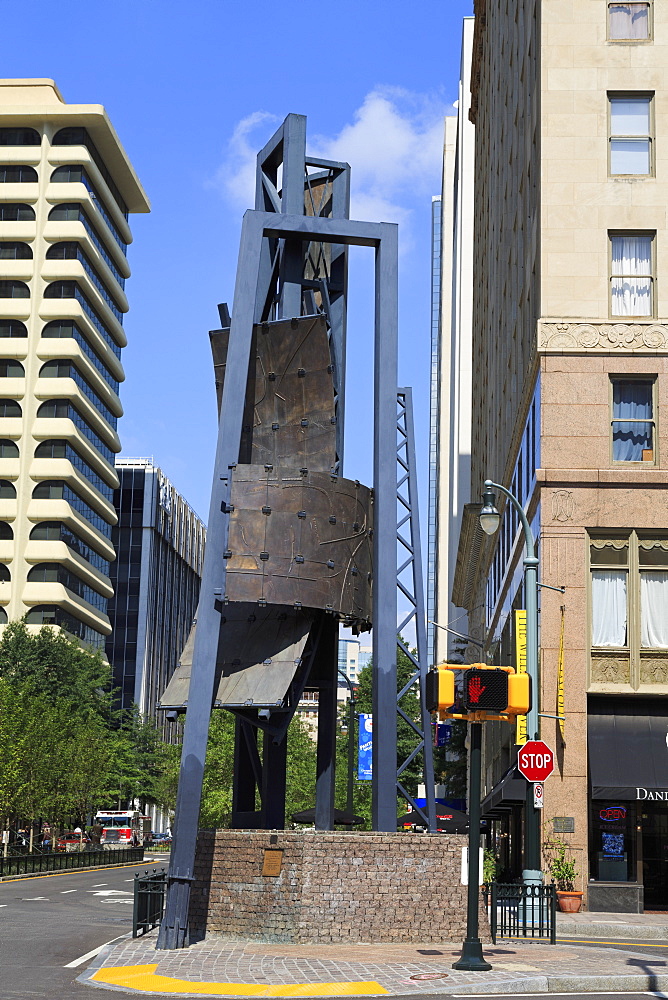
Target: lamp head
(489, 515)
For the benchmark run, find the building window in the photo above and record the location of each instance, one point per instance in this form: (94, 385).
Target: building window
(9, 449)
(5, 575)
(13, 328)
(15, 251)
(631, 278)
(17, 213)
(14, 290)
(632, 420)
(11, 368)
(628, 21)
(17, 173)
(19, 137)
(7, 490)
(10, 408)
(6, 531)
(631, 134)
(629, 589)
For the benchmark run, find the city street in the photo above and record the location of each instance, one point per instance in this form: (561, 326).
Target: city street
(48, 923)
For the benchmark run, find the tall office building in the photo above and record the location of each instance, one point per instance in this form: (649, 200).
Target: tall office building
(66, 188)
(569, 366)
(159, 542)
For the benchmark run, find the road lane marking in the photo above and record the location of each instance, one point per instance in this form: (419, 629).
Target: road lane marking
(73, 871)
(32, 899)
(91, 954)
(144, 977)
(100, 884)
(64, 891)
(109, 892)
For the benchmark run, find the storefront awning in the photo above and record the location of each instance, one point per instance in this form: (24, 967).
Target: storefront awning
(508, 792)
(628, 749)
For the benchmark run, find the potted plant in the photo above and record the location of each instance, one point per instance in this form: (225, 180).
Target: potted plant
(564, 872)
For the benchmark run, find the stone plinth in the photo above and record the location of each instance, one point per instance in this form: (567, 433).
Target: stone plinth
(332, 887)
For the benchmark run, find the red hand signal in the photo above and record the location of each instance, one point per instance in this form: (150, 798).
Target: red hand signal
(476, 688)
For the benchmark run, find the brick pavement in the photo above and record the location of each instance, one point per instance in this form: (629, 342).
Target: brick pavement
(254, 969)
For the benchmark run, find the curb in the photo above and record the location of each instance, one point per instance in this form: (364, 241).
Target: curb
(645, 932)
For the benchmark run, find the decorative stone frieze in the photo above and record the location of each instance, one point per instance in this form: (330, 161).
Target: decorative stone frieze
(636, 336)
(654, 670)
(610, 670)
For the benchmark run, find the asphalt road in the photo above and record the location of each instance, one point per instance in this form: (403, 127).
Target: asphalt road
(49, 921)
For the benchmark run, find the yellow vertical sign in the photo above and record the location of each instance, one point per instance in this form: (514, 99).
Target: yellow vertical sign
(521, 735)
(560, 681)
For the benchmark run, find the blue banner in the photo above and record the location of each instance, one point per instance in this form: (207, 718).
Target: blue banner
(365, 730)
(443, 734)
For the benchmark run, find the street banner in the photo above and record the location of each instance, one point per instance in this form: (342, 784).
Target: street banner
(365, 742)
(521, 735)
(560, 681)
(443, 734)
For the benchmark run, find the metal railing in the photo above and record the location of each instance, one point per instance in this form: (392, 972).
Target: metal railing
(98, 857)
(527, 911)
(149, 900)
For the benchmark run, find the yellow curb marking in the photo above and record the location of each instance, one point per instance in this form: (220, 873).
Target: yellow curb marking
(144, 977)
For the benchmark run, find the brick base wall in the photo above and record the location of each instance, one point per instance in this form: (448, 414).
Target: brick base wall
(333, 887)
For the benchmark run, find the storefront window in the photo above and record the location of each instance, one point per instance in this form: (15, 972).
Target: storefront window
(613, 831)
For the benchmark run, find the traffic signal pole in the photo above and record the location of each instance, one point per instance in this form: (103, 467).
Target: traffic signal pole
(472, 959)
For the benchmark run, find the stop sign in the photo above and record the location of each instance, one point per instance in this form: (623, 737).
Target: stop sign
(535, 760)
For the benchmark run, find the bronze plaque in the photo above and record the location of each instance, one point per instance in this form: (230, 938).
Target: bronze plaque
(273, 862)
(302, 539)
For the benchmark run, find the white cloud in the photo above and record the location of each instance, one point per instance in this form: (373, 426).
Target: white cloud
(394, 145)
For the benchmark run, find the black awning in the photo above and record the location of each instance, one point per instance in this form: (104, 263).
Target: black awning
(508, 792)
(628, 749)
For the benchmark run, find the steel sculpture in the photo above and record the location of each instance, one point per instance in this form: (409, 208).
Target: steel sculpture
(290, 543)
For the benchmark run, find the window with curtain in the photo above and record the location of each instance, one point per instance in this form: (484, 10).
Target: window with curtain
(629, 592)
(632, 420)
(628, 21)
(631, 275)
(609, 579)
(630, 134)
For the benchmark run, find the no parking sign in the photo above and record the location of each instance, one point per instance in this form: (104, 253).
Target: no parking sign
(538, 796)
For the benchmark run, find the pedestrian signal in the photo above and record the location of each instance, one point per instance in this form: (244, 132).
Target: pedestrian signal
(485, 690)
(440, 689)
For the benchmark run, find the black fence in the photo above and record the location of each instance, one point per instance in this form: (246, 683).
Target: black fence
(149, 901)
(98, 857)
(527, 911)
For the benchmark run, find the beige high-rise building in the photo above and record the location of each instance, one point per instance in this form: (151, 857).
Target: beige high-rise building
(569, 99)
(66, 188)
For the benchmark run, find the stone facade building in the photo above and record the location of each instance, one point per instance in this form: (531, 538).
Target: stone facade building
(569, 411)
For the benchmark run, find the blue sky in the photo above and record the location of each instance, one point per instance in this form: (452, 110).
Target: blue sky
(193, 91)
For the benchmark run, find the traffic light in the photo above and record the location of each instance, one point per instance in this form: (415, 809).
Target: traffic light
(485, 690)
(440, 688)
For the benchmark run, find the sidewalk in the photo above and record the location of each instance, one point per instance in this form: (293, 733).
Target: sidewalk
(647, 926)
(216, 967)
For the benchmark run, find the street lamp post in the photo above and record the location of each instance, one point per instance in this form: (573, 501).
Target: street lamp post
(489, 522)
(351, 743)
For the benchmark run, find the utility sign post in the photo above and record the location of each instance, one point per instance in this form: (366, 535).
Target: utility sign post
(535, 761)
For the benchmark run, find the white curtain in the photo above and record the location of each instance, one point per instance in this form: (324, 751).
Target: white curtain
(629, 20)
(631, 270)
(608, 591)
(654, 609)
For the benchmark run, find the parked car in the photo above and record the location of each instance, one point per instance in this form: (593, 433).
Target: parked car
(72, 841)
(161, 838)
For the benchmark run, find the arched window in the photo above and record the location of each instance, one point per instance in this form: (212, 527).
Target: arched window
(54, 408)
(8, 449)
(13, 328)
(66, 212)
(9, 408)
(14, 290)
(76, 135)
(49, 489)
(5, 575)
(68, 173)
(7, 490)
(17, 173)
(17, 213)
(15, 251)
(63, 251)
(19, 137)
(51, 449)
(58, 368)
(11, 368)
(3, 617)
(6, 531)
(46, 573)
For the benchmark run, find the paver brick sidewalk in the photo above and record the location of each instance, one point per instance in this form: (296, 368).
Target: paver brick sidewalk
(242, 969)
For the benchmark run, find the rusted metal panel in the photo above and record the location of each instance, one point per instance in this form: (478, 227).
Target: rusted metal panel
(289, 414)
(259, 652)
(300, 538)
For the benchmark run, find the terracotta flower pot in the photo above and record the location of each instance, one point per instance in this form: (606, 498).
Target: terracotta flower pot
(569, 902)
